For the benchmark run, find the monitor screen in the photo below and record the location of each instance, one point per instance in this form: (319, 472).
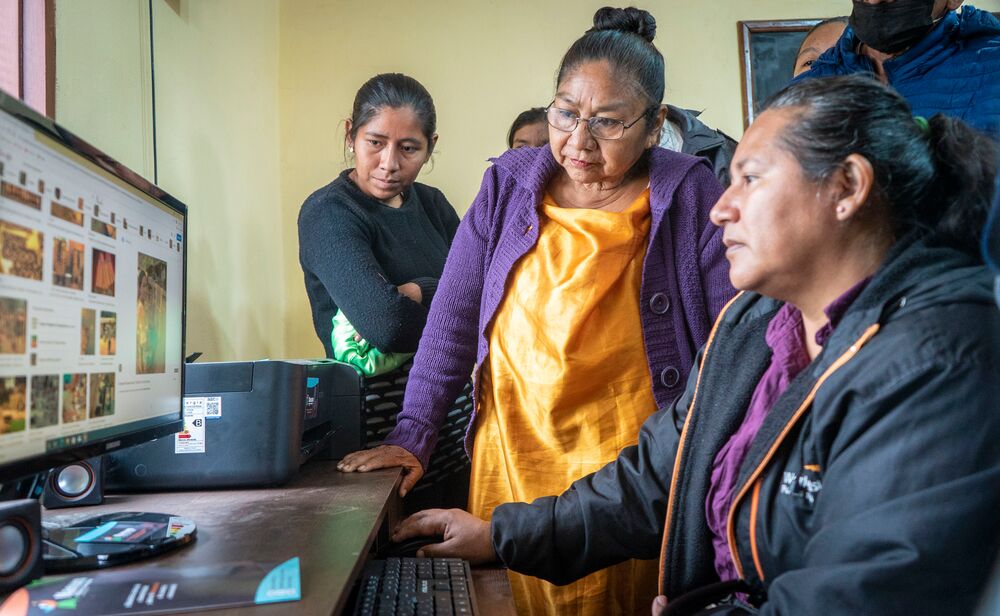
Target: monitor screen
(91, 299)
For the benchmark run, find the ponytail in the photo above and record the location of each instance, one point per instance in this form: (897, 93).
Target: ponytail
(965, 165)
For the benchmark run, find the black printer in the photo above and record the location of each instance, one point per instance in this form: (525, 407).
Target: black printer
(248, 423)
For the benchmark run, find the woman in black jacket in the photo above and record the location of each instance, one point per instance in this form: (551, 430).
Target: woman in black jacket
(838, 449)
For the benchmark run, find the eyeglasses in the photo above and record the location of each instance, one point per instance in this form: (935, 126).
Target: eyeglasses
(599, 127)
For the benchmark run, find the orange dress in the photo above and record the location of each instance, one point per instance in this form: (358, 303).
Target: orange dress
(566, 386)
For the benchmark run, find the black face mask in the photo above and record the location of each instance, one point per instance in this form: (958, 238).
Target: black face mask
(891, 27)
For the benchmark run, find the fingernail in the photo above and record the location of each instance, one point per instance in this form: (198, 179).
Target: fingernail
(420, 553)
(362, 468)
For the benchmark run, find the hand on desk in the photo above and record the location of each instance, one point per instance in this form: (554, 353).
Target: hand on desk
(385, 456)
(465, 535)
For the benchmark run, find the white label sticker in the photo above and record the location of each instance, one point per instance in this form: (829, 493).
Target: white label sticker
(192, 438)
(179, 526)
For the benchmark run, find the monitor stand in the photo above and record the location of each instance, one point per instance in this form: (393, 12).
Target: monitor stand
(112, 539)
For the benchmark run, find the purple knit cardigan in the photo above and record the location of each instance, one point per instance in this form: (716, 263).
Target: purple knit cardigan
(685, 283)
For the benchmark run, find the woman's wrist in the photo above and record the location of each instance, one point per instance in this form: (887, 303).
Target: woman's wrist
(428, 287)
(414, 437)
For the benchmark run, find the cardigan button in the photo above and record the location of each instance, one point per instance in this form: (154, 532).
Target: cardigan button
(670, 377)
(659, 303)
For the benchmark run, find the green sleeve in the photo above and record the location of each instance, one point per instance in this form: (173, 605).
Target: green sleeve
(365, 358)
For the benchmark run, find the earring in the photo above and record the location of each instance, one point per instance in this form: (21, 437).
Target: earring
(350, 149)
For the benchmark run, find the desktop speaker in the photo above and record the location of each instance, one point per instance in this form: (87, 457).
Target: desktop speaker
(20, 543)
(76, 484)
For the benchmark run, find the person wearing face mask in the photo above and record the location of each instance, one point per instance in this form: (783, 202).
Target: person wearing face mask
(940, 60)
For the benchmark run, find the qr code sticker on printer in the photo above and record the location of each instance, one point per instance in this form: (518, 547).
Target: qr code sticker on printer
(213, 407)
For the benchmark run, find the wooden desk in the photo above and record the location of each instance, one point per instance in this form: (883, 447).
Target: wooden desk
(330, 520)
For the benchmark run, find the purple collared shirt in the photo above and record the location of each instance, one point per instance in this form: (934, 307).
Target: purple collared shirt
(786, 338)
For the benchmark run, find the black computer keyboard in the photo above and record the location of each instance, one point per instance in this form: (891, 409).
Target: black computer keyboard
(417, 586)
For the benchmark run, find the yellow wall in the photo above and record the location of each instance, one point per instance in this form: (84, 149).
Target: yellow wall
(216, 70)
(106, 42)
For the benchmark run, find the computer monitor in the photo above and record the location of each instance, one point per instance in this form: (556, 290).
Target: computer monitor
(92, 296)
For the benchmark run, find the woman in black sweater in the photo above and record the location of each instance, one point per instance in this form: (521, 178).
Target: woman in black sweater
(373, 242)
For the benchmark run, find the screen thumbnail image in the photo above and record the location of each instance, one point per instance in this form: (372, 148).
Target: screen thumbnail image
(67, 263)
(74, 403)
(108, 327)
(103, 228)
(20, 251)
(13, 402)
(44, 400)
(88, 330)
(21, 195)
(151, 316)
(13, 325)
(102, 279)
(67, 213)
(102, 394)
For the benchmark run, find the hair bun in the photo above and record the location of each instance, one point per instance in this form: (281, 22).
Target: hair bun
(631, 19)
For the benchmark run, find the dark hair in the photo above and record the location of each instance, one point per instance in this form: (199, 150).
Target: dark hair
(525, 118)
(394, 90)
(934, 175)
(842, 19)
(624, 39)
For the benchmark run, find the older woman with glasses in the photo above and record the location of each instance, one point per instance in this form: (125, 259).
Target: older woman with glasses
(581, 283)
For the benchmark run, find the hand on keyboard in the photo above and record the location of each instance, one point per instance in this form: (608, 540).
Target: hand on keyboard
(465, 536)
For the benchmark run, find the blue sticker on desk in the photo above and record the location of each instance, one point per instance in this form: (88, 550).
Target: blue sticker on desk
(281, 584)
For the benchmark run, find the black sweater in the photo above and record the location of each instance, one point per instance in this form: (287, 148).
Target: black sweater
(355, 250)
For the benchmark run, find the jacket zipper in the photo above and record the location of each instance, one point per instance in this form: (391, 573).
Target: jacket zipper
(680, 446)
(755, 476)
